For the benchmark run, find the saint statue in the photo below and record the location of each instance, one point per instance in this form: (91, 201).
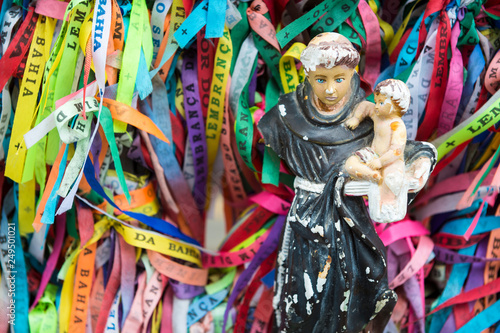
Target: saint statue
(331, 273)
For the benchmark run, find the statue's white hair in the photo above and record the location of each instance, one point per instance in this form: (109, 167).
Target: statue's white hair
(397, 91)
(329, 55)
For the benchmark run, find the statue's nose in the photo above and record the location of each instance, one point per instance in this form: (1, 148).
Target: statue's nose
(330, 89)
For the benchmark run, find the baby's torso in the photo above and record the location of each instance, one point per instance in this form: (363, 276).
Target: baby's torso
(389, 134)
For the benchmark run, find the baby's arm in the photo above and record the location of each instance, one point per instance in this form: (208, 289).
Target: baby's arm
(396, 148)
(362, 111)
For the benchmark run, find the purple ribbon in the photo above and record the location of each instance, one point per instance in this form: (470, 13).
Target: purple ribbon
(196, 128)
(268, 247)
(95, 149)
(451, 257)
(135, 152)
(252, 88)
(186, 291)
(449, 325)
(476, 274)
(107, 268)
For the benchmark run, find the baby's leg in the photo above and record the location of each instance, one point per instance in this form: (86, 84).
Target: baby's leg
(359, 170)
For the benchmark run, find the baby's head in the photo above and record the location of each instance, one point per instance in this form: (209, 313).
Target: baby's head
(397, 92)
(329, 49)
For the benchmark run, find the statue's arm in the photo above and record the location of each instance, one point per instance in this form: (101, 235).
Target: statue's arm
(271, 128)
(361, 111)
(420, 159)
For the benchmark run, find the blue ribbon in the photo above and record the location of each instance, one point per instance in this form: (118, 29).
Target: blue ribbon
(459, 227)
(454, 286)
(143, 81)
(194, 22)
(50, 207)
(199, 308)
(474, 69)
(216, 18)
(5, 6)
(153, 222)
(486, 318)
(21, 295)
(171, 168)
(268, 279)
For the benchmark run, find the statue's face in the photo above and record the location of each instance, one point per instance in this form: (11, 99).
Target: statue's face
(384, 105)
(331, 85)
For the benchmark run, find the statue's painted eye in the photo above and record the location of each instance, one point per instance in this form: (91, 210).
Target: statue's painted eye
(339, 80)
(320, 80)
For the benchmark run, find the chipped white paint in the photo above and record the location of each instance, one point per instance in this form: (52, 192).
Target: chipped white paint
(281, 258)
(337, 226)
(367, 270)
(349, 221)
(308, 286)
(288, 301)
(282, 276)
(305, 138)
(309, 308)
(380, 305)
(341, 255)
(282, 110)
(318, 230)
(343, 306)
(338, 188)
(320, 283)
(383, 211)
(295, 298)
(308, 185)
(305, 221)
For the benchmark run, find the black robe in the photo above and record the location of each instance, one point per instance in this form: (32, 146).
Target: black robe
(331, 273)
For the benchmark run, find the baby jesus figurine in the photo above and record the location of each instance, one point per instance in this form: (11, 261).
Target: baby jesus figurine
(383, 162)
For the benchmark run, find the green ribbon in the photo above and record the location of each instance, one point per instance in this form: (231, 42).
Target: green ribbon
(271, 163)
(468, 34)
(222, 283)
(107, 126)
(333, 19)
(43, 318)
(239, 33)
(244, 125)
(71, 223)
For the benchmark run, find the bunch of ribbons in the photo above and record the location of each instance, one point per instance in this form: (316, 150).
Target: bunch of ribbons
(127, 136)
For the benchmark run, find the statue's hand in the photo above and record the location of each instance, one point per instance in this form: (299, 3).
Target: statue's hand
(352, 123)
(418, 172)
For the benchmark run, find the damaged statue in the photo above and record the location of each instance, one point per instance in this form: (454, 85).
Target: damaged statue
(331, 273)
